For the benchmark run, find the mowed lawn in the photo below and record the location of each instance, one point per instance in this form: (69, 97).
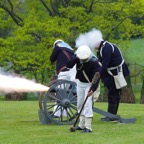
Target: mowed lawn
(19, 124)
(135, 52)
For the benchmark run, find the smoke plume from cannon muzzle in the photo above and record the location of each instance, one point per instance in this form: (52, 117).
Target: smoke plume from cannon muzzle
(9, 84)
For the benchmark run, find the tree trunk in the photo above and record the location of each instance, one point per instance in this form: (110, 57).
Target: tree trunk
(15, 96)
(142, 92)
(127, 95)
(105, 95)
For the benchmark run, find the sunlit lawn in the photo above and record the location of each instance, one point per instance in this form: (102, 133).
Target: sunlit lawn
(136, 51)
(19, 124)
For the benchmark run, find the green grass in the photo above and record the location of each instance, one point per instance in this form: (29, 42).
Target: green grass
(19, 124)
(135, 52)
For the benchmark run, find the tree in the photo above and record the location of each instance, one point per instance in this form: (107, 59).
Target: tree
(142, 91)
(29, 28)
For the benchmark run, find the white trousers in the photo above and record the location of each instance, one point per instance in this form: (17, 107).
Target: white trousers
(82, 90)
(66, 75)
(85, 122)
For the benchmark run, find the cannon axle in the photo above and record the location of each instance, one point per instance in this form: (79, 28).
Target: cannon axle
(65, 103)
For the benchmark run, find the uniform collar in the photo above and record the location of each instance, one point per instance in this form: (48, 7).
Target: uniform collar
(101, 45)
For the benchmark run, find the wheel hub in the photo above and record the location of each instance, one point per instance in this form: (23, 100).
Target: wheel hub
(65, 103)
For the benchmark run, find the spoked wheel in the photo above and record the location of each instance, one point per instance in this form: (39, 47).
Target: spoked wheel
(41, 95)
(60, 102)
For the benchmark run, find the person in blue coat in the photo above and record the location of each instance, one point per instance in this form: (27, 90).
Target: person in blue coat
(112, 61)
(60, 55)
(111, 58)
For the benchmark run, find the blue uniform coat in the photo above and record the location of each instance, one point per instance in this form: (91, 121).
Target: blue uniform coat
(90, 68)
(58, 55)
(111, 57)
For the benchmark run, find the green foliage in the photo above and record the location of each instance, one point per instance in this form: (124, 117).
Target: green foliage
(29, 28)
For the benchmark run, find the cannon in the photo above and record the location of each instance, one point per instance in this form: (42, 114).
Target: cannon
(62, 96)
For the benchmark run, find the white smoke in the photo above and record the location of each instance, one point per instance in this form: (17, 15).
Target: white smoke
(10, 83)
(91, 39)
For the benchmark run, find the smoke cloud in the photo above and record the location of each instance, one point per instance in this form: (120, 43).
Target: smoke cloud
(91, 39)
(9, 84)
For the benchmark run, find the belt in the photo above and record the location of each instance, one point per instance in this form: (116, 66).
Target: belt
(64, 68)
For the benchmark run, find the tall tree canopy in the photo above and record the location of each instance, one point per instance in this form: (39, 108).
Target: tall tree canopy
(29, 28)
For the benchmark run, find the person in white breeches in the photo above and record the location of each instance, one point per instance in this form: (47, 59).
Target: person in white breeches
(87, 113)
(86, 68)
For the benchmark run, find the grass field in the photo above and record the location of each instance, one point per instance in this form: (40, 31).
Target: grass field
(135, 52)
(19, 124)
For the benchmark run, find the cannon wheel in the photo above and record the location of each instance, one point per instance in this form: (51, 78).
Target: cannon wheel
(41, 95)
(61, 96)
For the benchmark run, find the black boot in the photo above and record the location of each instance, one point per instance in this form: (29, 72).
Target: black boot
(111, 109)
(105, 119)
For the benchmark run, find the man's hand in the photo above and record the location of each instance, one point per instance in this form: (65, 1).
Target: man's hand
(90, 93)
